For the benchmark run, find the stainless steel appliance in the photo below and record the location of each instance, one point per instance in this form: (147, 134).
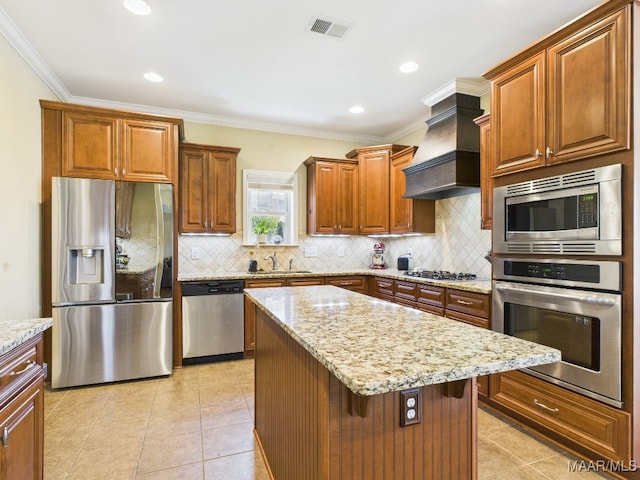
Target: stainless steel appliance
(440, 274)
(112, 290)
(572, 305)
(576, 213)
(212, 318)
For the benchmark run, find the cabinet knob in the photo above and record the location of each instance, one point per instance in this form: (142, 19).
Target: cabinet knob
(549, 153)
(115, 172)
(538, 153)
(5, 437)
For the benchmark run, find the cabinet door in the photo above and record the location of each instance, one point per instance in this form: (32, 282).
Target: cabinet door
(90, 145)
(222, 192)
(486, 182)
(148, 151)
(588, 85)
(250, 313)
(194, 187)
(325, 202)
(347, 194)
(373, 208)
(518, 117)
(22, 428)
(400, 209)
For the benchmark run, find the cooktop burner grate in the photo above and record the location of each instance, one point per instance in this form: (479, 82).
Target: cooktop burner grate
(441, 275)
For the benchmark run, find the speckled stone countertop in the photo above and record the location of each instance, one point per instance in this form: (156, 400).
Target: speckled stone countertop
(478, 286)
(374, 346)
(14, 333)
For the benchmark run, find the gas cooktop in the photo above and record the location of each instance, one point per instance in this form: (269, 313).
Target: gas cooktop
(440, 275)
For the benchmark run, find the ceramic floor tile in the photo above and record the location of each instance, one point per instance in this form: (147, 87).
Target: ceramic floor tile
(219, 442)
(243, 466)
(198, 424)
(169, 452)
(193, 471)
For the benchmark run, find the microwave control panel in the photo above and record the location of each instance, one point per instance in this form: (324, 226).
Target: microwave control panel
(553, 271)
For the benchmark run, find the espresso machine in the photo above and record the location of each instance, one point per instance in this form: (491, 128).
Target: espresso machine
(377, 259)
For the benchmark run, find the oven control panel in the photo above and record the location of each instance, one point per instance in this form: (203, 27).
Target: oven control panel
(604, 275)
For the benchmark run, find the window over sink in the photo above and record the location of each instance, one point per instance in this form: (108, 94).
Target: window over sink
(270, 207)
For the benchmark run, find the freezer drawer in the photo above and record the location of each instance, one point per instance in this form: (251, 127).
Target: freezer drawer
(107, 343)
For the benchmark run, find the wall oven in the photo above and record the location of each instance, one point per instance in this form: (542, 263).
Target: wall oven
(575, 213)
(572, 305)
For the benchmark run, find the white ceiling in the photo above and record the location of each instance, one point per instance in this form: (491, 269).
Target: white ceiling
(255, 64)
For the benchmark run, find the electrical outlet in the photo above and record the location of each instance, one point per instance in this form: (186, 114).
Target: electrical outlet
(341, 251)
(195, 253)
(409, 407)
(310, 251)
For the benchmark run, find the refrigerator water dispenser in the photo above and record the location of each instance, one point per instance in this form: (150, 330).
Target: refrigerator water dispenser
(86, 265)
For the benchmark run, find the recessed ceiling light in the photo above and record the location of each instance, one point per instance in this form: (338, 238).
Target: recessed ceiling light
(409, 67)
(356, 109)
(138, 7)
(153, 77)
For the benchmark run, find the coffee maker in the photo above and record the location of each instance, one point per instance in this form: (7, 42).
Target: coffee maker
(377, 260)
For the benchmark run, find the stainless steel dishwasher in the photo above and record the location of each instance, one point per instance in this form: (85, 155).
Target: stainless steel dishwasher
(212, 318)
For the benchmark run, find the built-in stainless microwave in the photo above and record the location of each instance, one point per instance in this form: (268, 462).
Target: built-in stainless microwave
(575, 213)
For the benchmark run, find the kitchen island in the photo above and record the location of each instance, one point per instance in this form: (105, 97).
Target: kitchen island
(352, 387)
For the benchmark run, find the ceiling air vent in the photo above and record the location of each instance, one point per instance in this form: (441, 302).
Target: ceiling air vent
(329, 26)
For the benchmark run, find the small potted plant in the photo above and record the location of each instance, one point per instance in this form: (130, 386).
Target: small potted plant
(264, 225)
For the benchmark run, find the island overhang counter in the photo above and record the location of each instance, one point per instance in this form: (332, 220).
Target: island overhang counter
(352, 387)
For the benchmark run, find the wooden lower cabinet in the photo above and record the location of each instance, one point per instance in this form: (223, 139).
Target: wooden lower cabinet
(586, 426)
(22, 412)
(138, 284)
(309, 425)
(356, 283)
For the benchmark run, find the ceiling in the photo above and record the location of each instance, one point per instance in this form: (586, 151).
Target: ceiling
(255, 64)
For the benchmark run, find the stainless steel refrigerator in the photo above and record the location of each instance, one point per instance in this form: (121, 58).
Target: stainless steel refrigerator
(112, 289)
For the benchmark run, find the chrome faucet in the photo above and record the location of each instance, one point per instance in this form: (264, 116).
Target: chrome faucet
(274, 261)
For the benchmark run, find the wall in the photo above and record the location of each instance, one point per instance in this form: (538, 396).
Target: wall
(20, 160)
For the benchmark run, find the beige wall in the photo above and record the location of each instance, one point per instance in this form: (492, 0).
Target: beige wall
(20, 157)
(268, 151)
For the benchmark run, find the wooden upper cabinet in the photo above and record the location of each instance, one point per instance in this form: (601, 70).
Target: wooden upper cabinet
(207, 189)
(148, 151)
(568, 100)
(486, 181)
(332, 196)
(110, 144)
(407, 215)
(90, 145)
(374, 165)
(589, 90)
(517, 108)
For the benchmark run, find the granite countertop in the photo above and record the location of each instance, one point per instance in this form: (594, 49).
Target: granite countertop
(14, 333)
(374, 346)
(477, 286)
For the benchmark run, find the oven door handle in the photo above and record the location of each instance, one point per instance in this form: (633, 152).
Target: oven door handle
(607, 302)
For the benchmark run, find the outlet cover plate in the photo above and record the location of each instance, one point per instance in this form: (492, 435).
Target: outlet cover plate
(409, 407)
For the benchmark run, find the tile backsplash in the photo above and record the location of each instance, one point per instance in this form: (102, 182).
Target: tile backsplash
(458, 245)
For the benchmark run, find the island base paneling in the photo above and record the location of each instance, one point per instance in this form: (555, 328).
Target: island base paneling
(305, 429)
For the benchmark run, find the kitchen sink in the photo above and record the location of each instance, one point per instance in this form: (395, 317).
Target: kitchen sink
(279, 272)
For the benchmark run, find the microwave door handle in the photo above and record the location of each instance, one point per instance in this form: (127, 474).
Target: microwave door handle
(607, 302)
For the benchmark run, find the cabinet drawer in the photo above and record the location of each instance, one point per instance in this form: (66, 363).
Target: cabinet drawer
(355, 283)
(305, 282)
(475, 304)
(590, 424)
(383, 286)
(406, 291)
(16, 366)
(470, 319)
(264, 283)
(430, 296)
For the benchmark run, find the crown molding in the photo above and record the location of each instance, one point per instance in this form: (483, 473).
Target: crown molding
(475, 86)
(21, 45)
